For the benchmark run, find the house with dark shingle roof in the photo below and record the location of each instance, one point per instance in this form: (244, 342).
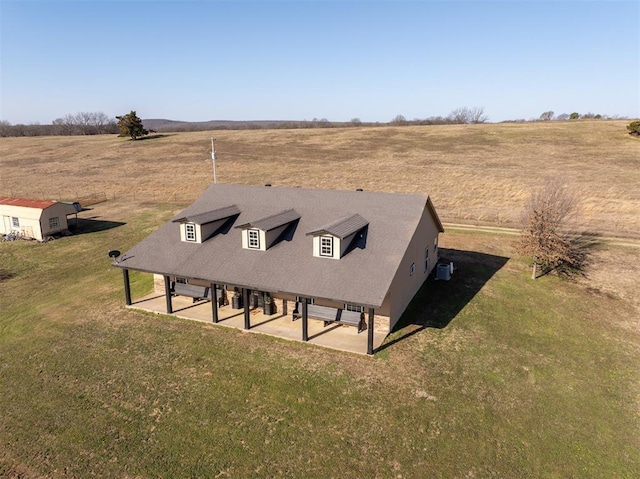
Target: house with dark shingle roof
(35, 219)
(351, 257)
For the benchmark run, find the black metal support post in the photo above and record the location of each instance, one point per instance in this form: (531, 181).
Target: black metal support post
(370, 333)
(305, 320)
(127, 288)
(214, 302)
(247, 316)
(167, 294)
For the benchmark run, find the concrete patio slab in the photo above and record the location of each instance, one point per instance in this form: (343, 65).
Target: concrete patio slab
(333, 336)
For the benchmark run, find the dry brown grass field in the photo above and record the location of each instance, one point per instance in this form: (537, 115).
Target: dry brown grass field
(479, 174)
(490, 374)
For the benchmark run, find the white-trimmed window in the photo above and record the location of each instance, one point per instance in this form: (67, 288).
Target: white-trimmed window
(254, 239)
(354, 307)
(326, 245)
(190, 232)
(412, 269)
(54, 222)
(15, 222)
(426, 259)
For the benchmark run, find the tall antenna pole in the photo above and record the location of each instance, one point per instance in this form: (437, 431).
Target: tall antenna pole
(213, 159)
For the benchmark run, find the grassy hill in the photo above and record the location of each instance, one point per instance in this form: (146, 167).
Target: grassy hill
(474, 173)
(163, 125)
(490, 374)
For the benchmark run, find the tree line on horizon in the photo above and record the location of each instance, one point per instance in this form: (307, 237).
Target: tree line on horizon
(82, 123)
(98, 123)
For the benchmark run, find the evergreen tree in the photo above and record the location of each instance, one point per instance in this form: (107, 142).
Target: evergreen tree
(634, 128)
(131, 125)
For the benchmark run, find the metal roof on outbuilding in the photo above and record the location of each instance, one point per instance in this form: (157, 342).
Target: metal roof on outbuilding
(26, 202)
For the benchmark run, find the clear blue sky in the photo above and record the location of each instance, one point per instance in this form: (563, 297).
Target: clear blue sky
(266, 60)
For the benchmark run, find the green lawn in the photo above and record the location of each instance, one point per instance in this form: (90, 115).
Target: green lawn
(509, 378)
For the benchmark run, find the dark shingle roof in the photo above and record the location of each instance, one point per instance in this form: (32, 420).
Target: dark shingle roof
(361, 277)
(273, 221)
(209, 216)
(343, 227)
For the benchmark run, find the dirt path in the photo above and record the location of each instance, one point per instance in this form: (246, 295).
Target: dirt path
(610, 240)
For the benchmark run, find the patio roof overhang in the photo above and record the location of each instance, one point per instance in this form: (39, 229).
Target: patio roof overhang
(253, 287)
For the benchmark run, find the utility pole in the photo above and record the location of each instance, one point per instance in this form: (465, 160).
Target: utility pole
(213, 159)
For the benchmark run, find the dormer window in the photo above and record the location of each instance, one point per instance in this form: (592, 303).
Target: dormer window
(264, 233)
(199, 227)
(254, 239)
(340, 237)
(326, 246)
(190, 231)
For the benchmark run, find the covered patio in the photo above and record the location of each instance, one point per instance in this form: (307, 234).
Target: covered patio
(340, 266)
(335, 335)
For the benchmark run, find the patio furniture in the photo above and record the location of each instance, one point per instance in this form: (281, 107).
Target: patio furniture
(336, 315)
(191, 290)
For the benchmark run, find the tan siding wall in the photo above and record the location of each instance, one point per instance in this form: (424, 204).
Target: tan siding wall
(385, 309)
(404, 286)
(20, 212)
(5, 224)
(29, 219)
(34, 222)
(31, 229)
(61, 212)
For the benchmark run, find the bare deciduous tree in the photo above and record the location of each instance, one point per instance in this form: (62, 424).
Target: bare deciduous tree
(84, 123)
(467, 115)
(546, 230)
(547, 116)
(5, 128)
(476, 115)
(399, 120)
(459, 115)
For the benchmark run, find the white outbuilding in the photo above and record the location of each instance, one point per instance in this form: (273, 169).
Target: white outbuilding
(35, 219)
